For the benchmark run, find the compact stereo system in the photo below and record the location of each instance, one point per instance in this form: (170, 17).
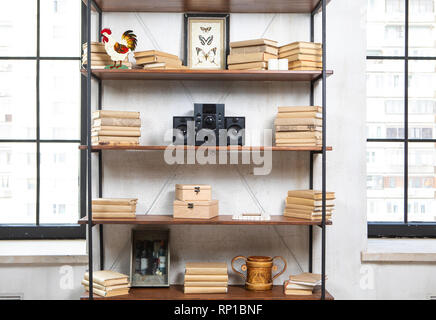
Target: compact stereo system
(209, 126)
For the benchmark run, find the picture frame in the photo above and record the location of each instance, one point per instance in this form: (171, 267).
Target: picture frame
(206, 41)
(150, 258)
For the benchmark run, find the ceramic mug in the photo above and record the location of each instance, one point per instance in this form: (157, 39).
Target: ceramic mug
(259, 271)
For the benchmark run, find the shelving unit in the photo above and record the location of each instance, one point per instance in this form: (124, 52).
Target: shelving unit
(175, 292)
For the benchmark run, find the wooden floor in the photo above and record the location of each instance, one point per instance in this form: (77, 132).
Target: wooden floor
(175, 292)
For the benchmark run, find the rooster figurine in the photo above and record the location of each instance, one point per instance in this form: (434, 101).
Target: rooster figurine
(118, 51)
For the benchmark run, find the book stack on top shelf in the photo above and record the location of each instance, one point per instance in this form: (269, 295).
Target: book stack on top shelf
(298, 126)
(307, 204)
(302, 284)
(107, 283)
(206, 277)
(251, 54)
(157, 60)
(114, 208)
(99, 58)
(302, 55)
(115, 128)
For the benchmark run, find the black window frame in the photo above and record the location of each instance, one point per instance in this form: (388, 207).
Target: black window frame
(404, 228)
(38, 230)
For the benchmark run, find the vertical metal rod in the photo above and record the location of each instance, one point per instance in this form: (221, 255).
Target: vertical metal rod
(406, 112)
(88, 121)
(324, 113)
(310, 227)
(38, 131)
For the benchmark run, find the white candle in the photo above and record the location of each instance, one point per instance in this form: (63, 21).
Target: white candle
(283, 64)
(273, 64)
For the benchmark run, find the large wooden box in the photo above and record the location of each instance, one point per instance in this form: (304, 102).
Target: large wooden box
(195, 209)
(193, 192)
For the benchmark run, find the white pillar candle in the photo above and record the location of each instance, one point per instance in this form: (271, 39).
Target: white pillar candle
(273, 64)
(283, 64)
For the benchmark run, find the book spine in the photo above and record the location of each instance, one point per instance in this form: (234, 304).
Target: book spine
(117, 122)
(205, 289)
(206, 271)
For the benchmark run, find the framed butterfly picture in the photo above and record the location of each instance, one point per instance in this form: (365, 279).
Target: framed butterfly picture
(206, 41)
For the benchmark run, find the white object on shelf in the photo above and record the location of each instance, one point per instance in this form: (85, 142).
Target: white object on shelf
(252, 217)
(283, 64)
(273, 64)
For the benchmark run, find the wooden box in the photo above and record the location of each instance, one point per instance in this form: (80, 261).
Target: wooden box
(193, 192)
(195, 209)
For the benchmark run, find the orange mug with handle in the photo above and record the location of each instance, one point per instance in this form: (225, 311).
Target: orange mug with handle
(259, 271)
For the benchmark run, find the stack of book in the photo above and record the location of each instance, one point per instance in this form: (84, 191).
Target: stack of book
(99, 58)
(206, 277)
(114, 208)
(107, 283)
(307, 204)
(298, 126)
(302, 284)
(302, 55)
(153, 59)
(251, 54)
(115, 128)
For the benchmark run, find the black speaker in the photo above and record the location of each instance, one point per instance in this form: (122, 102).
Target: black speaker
(209, 116)
(235, 127)
(180, 134)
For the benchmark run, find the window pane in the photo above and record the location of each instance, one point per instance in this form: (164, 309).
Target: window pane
(17, 99)
(18, 28)
(385, 99)
(385, 182)
(422, 182)
(60, 100)
(422, 99)
(60, 28)
(422, 28)
(385, 28)
(17, 183)
(59, 183)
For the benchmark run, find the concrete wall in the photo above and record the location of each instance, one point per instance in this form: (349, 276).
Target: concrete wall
(146, 176)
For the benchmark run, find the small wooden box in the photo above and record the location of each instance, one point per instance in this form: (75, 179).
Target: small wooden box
(193, 192)
(195, 209)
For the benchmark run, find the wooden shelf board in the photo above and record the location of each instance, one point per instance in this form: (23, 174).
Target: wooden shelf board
(175, 292)
(189, 74)
(235, 6)
(232, 148)
(220, 220)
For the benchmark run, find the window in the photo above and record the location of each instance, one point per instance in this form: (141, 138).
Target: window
(401, 118)
(40, 119)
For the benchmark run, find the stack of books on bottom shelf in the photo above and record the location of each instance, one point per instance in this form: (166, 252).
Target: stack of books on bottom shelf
(155, 60)
(251, 54)
(121, 128)
(107, 283)
(302, 284)
(99, 58)
(206, 277)
(298, 126)
(302, 55)
(113, 208)
(307, 204)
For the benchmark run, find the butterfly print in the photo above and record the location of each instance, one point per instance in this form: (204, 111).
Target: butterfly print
(205, 41)
(206, 30)
(202, 56)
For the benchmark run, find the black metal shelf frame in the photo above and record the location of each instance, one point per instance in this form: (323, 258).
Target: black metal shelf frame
(405, 228)
(86, 168)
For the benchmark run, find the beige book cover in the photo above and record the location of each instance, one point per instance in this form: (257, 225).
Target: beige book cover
(298, 128)
(109, 288)
(305, 69)
(205, 284)
(299, 135)
(299, 109)
(115, 201)
(254, 49)
(249, 57)
(115, 114)
(306, 277)
(108, 278)
(122, 122)
(112, 293)
(308, 202)
(113, 208)
(154, 59)
(295, 292)
(292, 214)
(307, 208)
(207, 277)
(310, 194)
(114, 139)
(116, 128)
(297, 64)
(148, 53)
(205, 289)
(206, 268)
(304, 57)
(254, 42)
(290, 53)
(297, 121)
(300, 44)
(129, 133)
(307, 214)
(316, 115)
(245, 66)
